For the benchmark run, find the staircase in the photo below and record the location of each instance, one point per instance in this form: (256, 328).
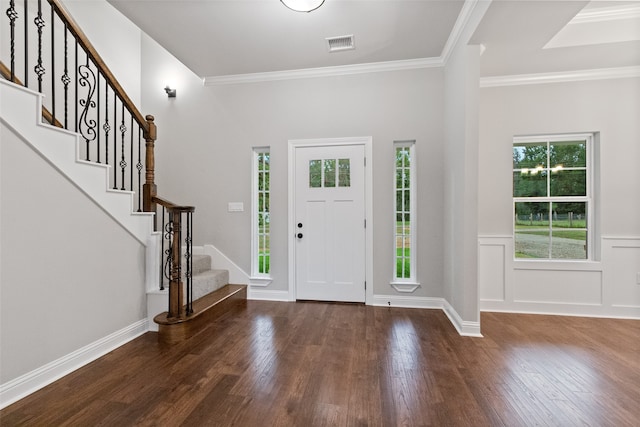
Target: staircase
(212, 295)
(195, 292)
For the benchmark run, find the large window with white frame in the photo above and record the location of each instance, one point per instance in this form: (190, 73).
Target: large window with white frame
(261, 218)
(552, 197)
(404, 213)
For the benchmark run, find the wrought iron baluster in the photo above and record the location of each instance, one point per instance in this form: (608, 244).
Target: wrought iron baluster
(115, 140)
(13, 15)
(168, 236)
(139, 167)
(87, 126)
(76, 68)
(98, 120)
(162, 253)
(26, 45)
(53, 69)
(189, 263)
(123, 131)
(65, 78)
(131, 156)
(39, 68)
(106, 127)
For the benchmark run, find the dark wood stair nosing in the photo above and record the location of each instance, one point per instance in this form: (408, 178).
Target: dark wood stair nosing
(208, 307)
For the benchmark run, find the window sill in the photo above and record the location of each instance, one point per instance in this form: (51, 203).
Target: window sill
(260, 281)
(576, 265)
(405, 287)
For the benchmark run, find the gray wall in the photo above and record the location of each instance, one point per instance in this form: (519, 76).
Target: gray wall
(206, 135)
(461, 177)
(608, 285)
(67, 278)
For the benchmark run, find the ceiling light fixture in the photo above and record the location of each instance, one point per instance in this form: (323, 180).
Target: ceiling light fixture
(302, 5)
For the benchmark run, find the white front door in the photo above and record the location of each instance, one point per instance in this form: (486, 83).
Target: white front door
(330, 223)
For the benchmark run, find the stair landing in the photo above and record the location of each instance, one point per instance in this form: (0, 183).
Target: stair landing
(205, 310)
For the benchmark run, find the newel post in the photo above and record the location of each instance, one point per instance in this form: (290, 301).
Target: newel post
(149, 189)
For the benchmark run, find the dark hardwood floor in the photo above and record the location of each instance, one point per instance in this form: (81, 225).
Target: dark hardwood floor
(317, 364)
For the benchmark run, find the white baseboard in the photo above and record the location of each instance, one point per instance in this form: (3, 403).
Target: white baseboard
(267, 295)
(30, 382)
(407, 301)
(464, 328)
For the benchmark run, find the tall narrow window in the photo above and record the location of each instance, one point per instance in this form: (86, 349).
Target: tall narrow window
(552, 197)
(261, 254)
(404, 218)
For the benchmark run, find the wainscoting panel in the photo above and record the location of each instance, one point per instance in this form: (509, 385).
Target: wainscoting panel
(604, 288)
(559, 287)
(622, 258)
(491, 268)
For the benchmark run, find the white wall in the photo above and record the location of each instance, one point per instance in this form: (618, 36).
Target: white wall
(461, 177)
(67, 278)
(206, 135)
(462, 77)
(607, 287)
(116, 39)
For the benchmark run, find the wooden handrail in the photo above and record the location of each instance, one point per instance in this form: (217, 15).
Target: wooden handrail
(86, 45)
(6, 73)
(172, 206)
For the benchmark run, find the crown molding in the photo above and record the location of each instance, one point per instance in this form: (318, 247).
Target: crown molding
(458, 29)
(560, 77)
(607, 14)
(341, 70)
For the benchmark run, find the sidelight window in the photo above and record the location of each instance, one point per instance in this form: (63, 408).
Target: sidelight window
(261, 215)
(404, 216)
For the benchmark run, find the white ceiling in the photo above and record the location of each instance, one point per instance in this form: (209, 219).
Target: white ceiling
(230, 37)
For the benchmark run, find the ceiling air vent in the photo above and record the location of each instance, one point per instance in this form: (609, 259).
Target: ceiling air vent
(336, 44)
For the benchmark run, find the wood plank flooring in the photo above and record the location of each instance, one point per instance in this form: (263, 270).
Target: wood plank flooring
(318, 364)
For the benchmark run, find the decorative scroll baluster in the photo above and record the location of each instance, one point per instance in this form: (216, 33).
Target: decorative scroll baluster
(66, 79)
(87, 126)
(106, 126)
(167, 237)
(176, 299)
(189, 263)
(13, 15)
(163, 254)
(123, 162)
(139, 167)
(39, 69)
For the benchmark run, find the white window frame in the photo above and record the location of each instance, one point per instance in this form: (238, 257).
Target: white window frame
(588, 198)
(405, 284)
(258, 278)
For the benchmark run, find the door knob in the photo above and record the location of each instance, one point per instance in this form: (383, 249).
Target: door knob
(299, 235)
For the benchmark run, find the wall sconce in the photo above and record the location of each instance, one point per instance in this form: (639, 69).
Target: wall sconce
(171, 93)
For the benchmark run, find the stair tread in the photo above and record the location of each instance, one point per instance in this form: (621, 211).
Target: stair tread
(201, 305)
(211, 272)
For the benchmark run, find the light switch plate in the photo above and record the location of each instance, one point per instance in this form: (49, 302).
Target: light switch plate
(235, 207)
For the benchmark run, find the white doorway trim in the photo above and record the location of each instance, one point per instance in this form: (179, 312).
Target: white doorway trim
(367, 142)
